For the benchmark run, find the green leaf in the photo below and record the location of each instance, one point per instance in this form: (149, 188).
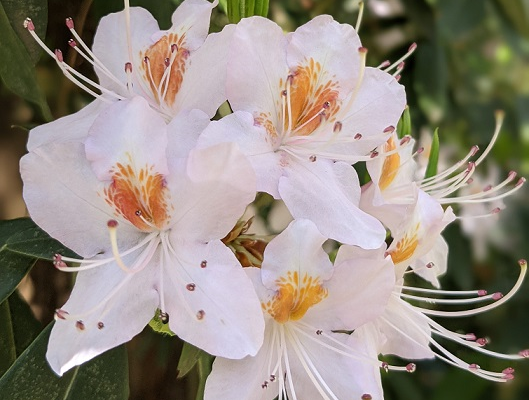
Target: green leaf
(238, 9)
(7, 339)
(34, 242)
(433, 159)
(517, 12)
(158, 326)
(188, 359)
(13, 266)
(205, 363)
(17, 11)
(26, 328)
(17, 69)
(404, 125)
(30, 377)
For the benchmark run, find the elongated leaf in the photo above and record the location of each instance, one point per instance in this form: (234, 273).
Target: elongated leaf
(16, 68)
(205, 363)
(17, 11)
(404, 125)
(30, 377)
(13, 267)
(433, 160)
(26, 328)
(34, 242)
(238, 9)
(188, 359)
(7, 338)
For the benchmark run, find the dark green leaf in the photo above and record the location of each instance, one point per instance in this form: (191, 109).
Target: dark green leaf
(30, 377)
(205, 363)
(16, 68)
(13, 267)
(238, 9)
(404, 125)
(433, 159)
(34, 242)
(188, 359)
(7, 338)
(517, 12)
(17, 11)
(25, 326)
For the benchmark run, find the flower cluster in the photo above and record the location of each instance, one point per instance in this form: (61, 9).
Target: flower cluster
(149, 192)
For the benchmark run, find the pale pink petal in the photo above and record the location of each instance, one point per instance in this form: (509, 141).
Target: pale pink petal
(244, 379)
(62, 196)
(183, 132)
(192, 19)
(328, 194)
(210, 300)
(211, 193)
(334, 46)
(358, 292)
(437, 261)
(73, 127)
(378, 105)
(205, 78)
(127, 132)
(346, 377)
(107, 307)
(407, 331)
(254, 142)
(297, 249)
(256, 67)
(111, 46)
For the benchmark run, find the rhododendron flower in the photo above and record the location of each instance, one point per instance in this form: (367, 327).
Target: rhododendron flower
(166, 207)
(181, 68)
(407, 330)
(305, 299)
(302, 102)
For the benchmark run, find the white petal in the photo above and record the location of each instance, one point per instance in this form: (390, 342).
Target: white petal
(254, 142)
(73, 127)
(183, 132)
(256, 65)
(243, 379)
(123, 302)
(205, 77)
(192, 19)
(62, 196)
(222, 314)
(212, 193)
(333, 45)
(297, 248)
(127, 132)
(328, 193)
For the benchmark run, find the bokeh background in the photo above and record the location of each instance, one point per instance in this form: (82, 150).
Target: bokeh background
(472, 59)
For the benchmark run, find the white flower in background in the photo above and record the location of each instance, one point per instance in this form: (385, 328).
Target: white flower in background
(182, 68)
(147, 214)
(306, 108)
(304, 299)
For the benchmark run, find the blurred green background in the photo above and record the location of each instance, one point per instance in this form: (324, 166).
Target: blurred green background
(472, 59)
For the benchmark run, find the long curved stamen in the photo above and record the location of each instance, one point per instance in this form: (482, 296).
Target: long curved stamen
(290, 78)
(493, 296)
(463, 200)
(287, 364)
(310, 368)
(166, 77)
(362, 51)
(427, 182)
(112, 230)
(89, 55)
(410, 51)
(360, 16)
(464, 313)
(127, 27)
(478, 292)
(461, 181)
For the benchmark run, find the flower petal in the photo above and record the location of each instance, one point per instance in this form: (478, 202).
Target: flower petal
(107, 307)
(328, 193)
(254, 142)
(127, 132)
(334, 46)
(73, 127)
(205, 78)
(257, 68)
(62, 196)
(210, 314)
(297, 248)
(212, 193)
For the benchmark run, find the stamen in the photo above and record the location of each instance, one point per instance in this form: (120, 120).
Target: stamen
(100, 325)
(464, 313)
(410, 51)
(112, 230)
(360, 15)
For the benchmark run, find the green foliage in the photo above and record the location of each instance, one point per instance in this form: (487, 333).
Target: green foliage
(404, 125)
(30, 377)
(239, 9)
(433, 159)
(188, 359)
(17, 69)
